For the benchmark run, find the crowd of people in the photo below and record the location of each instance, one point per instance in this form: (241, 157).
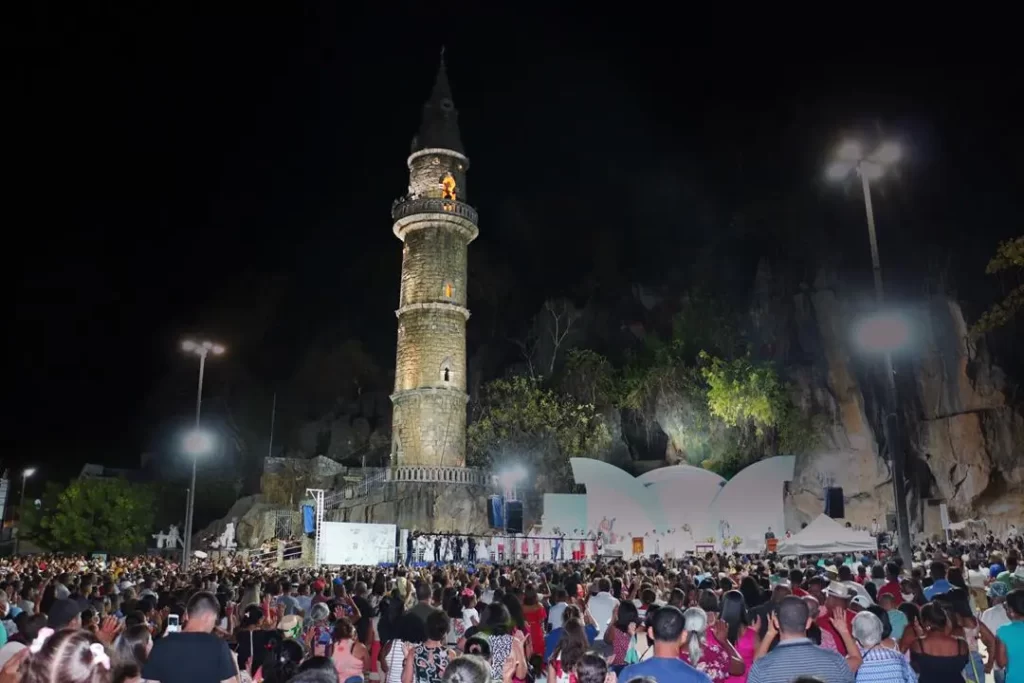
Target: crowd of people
(956, 614)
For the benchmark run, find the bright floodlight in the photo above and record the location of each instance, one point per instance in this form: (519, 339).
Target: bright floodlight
(29, 472)
(887, 154)
(513, 475)
(839, 170)
(202, 348)
(883, 332)
(198, 442)
(850, 151)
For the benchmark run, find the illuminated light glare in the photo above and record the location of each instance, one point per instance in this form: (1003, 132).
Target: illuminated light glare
(198, 442)
(513, 475)
(217, 349)
(883, 332)
(29, 472)
(189, 345)
(850, 151)
(889, 153)
(871, 170)
(838, 170)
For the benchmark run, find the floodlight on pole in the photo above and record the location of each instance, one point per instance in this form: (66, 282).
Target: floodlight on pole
(25, 474)
(198, 442)
(201, 349)
(882, 332)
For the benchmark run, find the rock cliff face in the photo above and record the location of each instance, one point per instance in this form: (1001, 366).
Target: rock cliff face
(964, 437)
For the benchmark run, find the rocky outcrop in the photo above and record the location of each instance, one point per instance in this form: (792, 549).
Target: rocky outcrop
(964, 438)
(358, 431)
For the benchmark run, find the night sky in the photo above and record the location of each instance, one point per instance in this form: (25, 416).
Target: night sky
(164, 162)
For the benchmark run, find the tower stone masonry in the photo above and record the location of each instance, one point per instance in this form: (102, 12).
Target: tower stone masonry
(436, 226)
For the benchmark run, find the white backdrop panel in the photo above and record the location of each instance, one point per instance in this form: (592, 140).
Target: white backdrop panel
(351, 543)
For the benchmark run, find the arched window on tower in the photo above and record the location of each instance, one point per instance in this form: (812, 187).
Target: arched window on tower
(449, 291)
(447, 374)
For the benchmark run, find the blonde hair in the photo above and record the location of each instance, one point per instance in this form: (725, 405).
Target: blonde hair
(695, 623)
(67, 657)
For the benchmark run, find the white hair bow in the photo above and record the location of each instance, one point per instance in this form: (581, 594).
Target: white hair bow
(41, 638)
(99, 655)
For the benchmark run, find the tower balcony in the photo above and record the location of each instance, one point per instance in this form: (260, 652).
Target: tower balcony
(406, 207)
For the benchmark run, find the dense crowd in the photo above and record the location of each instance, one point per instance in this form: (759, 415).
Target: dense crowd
(955, 615)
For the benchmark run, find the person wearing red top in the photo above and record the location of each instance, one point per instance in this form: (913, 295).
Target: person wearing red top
(892, 583)
(837, 595)
(796, 577)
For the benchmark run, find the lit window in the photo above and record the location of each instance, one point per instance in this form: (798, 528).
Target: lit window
(448, 290)
(448, 187)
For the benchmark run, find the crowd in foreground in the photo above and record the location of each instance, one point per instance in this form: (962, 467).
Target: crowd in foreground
(956, 615)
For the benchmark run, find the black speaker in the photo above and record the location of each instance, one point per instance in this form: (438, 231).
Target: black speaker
(515, 517)
(834, 502)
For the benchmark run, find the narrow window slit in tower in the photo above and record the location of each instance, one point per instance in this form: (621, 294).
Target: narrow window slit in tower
(448, 290)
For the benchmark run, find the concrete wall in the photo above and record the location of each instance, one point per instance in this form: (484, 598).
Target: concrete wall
(432, 258)
(420, 507)
(428, 427)
(429, 341)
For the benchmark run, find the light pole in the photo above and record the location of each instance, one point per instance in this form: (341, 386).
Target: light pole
(25, 474)
(850, 158)
(197, 442)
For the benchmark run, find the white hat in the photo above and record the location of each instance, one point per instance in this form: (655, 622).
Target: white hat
(838, 589)
(862, 601)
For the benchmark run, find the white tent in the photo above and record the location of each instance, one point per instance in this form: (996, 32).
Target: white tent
(826, 535)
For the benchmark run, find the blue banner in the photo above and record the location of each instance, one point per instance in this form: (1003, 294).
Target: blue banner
(308, 523)
(498, 512)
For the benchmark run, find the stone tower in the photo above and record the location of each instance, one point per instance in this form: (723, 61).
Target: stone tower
(436, 226)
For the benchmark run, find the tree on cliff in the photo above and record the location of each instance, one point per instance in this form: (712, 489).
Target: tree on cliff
(97, 515)
(1009, 258)
(519, 421)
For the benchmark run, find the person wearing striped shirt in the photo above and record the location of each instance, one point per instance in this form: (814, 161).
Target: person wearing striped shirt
(796, 655)
(879, 664)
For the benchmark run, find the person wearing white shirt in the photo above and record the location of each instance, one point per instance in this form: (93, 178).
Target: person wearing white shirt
(602, 605)
(558, 597)
(976, 580)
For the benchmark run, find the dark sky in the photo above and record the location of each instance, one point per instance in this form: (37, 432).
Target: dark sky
(162, 158)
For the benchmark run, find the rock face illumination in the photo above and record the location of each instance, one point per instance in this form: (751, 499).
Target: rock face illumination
(436, 226)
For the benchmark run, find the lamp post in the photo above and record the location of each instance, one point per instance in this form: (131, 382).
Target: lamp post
(196, 442)
(882, 333)
(25, 474)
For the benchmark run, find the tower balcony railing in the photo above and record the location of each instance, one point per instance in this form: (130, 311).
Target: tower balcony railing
(411, 206)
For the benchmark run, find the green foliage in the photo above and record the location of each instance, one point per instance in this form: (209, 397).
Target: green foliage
(741, 392)
(588, 377)
(99, 515)
(519, 421)
(30, 517)
(1009, 257)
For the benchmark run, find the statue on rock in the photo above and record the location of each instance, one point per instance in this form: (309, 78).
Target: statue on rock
(226, 540)
(171, 539)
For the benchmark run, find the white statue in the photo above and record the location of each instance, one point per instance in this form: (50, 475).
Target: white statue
(174, 537)
(161, 540)
(227, 539)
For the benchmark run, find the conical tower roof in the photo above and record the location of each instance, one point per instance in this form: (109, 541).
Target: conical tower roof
(440, 124)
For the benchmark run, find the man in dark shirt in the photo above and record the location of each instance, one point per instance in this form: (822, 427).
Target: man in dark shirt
(195, 655)
(414, 622)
